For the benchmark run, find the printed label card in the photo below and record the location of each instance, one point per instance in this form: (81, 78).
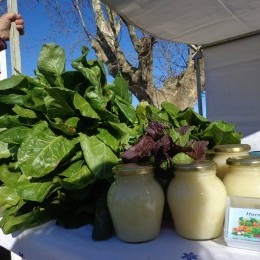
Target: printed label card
(242, 223)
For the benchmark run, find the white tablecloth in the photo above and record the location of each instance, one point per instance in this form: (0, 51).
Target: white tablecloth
(51, 242)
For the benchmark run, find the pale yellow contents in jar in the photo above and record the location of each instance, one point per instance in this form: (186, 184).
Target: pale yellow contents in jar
(197, 205)
(243, 181)
(136, 209)
(221, 158)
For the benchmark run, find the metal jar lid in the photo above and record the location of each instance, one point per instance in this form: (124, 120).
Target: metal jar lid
(232, 148)
(244, 161)
(126, 169)
(202, 165)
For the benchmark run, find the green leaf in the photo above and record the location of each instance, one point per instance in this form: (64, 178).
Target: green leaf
(8, 177)
(181, 158)
(78, 176)
(8, 121)
(33, 191)
(98, 156)
(126, 109)
(8, 198)
(120, 87)
(107, 138)
(24, 112)
(51, 61)
(59, 102)
(80, 64)
(42, 151)
(84, 107)
(13, 82)
(4, 151)
(36, 217)
(35, 99)
(14, 135)
(220, 132)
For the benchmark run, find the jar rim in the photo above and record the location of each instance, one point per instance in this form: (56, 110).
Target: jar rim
(229, 148)
(133, 169)
(244, 160)
(200, 165)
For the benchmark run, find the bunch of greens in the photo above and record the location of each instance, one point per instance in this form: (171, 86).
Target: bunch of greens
(174, 136)
(61, 132)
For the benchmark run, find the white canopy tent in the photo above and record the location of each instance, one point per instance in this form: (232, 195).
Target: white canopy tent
(228, 32)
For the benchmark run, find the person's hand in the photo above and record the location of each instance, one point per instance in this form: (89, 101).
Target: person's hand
(5, 25)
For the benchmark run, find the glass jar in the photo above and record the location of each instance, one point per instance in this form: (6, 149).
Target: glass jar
(224, 151)
(197, 200)
(243, 176)
(135, 201)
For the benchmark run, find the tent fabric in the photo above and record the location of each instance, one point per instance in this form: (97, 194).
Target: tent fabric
(197, 22)
(233, 90)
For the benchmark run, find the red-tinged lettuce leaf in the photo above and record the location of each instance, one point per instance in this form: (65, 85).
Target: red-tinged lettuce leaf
(139, 152)
(199, 149)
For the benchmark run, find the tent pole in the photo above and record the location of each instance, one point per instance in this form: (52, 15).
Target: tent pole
(196, 57)
(14, 41)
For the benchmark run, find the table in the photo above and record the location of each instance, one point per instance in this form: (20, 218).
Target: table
(51, 242)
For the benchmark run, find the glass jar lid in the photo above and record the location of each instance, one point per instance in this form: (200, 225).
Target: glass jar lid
(244, 161)
(202, 165)
(132, 169)
(232, 148)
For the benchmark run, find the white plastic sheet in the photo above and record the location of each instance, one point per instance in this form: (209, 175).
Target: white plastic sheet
(232, 73)
(191, 21)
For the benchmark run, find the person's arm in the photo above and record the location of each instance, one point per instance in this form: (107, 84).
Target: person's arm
(5, 26)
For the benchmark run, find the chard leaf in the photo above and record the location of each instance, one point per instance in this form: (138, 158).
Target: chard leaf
(63, 127)
(24, 112)
(107, 138)
(59, 102)
(51, 61)
(8, 198)
(98, 156)
(126, 109)
(8, 177)
(13, 82)
(33, 191)
(123, 133)
(120, 87)
(42, 151)
(11, 223)
(11, 99)
(84, 107)
(14, 135)
(4, 151)
(80, 65)
(78, 176)
(96, 99)
(9, 121)
(35, 99)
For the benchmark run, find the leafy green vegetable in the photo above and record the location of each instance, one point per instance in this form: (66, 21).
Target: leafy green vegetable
(61, 132)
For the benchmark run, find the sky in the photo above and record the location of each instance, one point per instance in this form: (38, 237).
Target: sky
(40, 30)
